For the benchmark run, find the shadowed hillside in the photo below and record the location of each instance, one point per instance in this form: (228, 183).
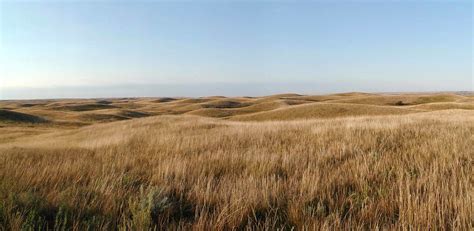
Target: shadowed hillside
(17, 117)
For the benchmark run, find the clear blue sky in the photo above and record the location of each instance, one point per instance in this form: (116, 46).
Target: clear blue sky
(98, 48)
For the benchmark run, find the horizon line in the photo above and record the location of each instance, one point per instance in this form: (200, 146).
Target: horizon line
(456, 92)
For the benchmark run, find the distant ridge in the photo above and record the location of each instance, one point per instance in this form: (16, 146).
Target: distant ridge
(464, 93)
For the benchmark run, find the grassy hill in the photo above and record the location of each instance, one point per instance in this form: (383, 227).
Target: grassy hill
(18, 117)
(275, 107)
(324, 110)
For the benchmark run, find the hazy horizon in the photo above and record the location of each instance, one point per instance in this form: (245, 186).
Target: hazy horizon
(185, 90)
(232, 48)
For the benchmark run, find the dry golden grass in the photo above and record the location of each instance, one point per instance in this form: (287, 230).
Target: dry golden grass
(409, 99)
(315, 166)
(324, 110)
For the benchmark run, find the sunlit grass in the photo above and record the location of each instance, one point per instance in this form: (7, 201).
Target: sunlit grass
(183, 172)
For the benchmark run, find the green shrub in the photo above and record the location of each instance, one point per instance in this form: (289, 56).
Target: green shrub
(150, 204)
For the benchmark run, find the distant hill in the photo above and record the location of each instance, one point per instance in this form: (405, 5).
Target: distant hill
(17, 117)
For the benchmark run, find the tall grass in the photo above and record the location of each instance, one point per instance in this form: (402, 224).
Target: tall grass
(183, 172)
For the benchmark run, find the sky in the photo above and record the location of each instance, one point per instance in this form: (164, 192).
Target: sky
(55, 49)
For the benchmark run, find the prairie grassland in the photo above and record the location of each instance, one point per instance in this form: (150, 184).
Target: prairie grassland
(384, 170)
